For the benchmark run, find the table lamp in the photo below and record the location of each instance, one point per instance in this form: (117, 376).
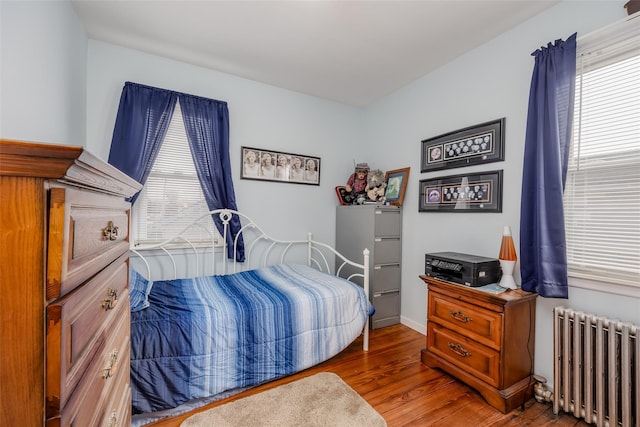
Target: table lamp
(507, 259)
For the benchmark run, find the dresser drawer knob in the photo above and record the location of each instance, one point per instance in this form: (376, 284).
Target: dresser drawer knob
(460, 316)
(110, 232)
(110, 301)
(111, 366)
(459, 350)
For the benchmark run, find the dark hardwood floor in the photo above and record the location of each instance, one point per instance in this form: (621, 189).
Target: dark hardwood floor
(407, 393)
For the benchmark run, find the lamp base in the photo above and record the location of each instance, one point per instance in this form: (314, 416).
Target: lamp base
(507, 281)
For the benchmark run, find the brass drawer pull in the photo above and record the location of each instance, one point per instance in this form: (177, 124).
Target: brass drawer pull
(113, 419)
(111, 367)
(460, 316)
(459, 350)
(110, 301)
(110, 232)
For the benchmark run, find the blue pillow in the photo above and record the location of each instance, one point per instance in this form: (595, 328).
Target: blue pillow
(139, 289)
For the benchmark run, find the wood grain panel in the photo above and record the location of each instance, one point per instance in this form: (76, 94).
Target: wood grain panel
(21, 158)
(22, 237)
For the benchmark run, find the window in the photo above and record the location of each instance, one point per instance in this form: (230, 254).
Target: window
(172, 197)
(602, 192)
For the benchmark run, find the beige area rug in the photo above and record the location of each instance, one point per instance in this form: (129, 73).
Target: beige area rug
(319, 400)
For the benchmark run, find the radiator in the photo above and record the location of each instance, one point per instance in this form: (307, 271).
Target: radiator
(596, 368)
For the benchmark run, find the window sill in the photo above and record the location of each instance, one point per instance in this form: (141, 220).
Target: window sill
(629, 290)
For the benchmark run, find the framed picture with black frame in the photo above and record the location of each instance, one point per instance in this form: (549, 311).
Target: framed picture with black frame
(478, 144)
(471, 192)
(269, 165)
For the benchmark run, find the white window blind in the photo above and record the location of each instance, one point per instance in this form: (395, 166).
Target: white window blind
(602, 192)
(172, 197)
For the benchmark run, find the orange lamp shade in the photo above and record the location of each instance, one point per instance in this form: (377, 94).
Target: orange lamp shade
(507, 248)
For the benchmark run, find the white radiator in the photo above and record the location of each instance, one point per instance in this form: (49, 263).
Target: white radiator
(596, 368)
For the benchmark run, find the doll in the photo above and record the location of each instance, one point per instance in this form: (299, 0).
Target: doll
(354, 191)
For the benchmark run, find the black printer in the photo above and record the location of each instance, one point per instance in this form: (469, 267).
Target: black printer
(465, 269)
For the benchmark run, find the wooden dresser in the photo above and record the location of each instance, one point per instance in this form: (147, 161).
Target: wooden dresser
(64, 259)
(485, 340)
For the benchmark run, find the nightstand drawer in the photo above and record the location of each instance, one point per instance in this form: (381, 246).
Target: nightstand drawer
(480, 361)
(483, 326)
(87, 231)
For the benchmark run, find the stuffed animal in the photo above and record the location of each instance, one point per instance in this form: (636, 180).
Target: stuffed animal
(376, 186)
(354, 192)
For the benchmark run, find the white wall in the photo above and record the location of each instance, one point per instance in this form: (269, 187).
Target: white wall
(260, 116)
(43, 72)
(490, 82)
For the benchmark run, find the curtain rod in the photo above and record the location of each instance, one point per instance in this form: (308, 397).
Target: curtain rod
(616, 32)
(174, 92)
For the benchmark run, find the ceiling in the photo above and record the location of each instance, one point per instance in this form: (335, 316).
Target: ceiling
(353, 52)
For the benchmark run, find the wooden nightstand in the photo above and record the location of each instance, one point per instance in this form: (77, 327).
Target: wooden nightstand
(485, 340)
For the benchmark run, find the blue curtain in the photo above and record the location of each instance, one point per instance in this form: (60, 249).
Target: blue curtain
(143, 118)
(543, 259)
(206, 122)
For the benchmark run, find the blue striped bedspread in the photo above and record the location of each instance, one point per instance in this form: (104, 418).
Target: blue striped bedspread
(204, 336)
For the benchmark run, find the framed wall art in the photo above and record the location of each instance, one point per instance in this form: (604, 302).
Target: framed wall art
(396, 185)
(268, 165)
(483, 143)
(473, 192)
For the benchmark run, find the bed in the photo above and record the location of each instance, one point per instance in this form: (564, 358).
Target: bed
(205, 326)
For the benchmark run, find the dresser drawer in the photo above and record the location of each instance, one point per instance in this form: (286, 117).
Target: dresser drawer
(106, 377)
(480, 361)
(483, 326)
(87, 231)
(117, 411)
(76, 326)
(117, 398)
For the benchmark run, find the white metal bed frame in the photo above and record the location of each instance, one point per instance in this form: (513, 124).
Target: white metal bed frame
(261, 250)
